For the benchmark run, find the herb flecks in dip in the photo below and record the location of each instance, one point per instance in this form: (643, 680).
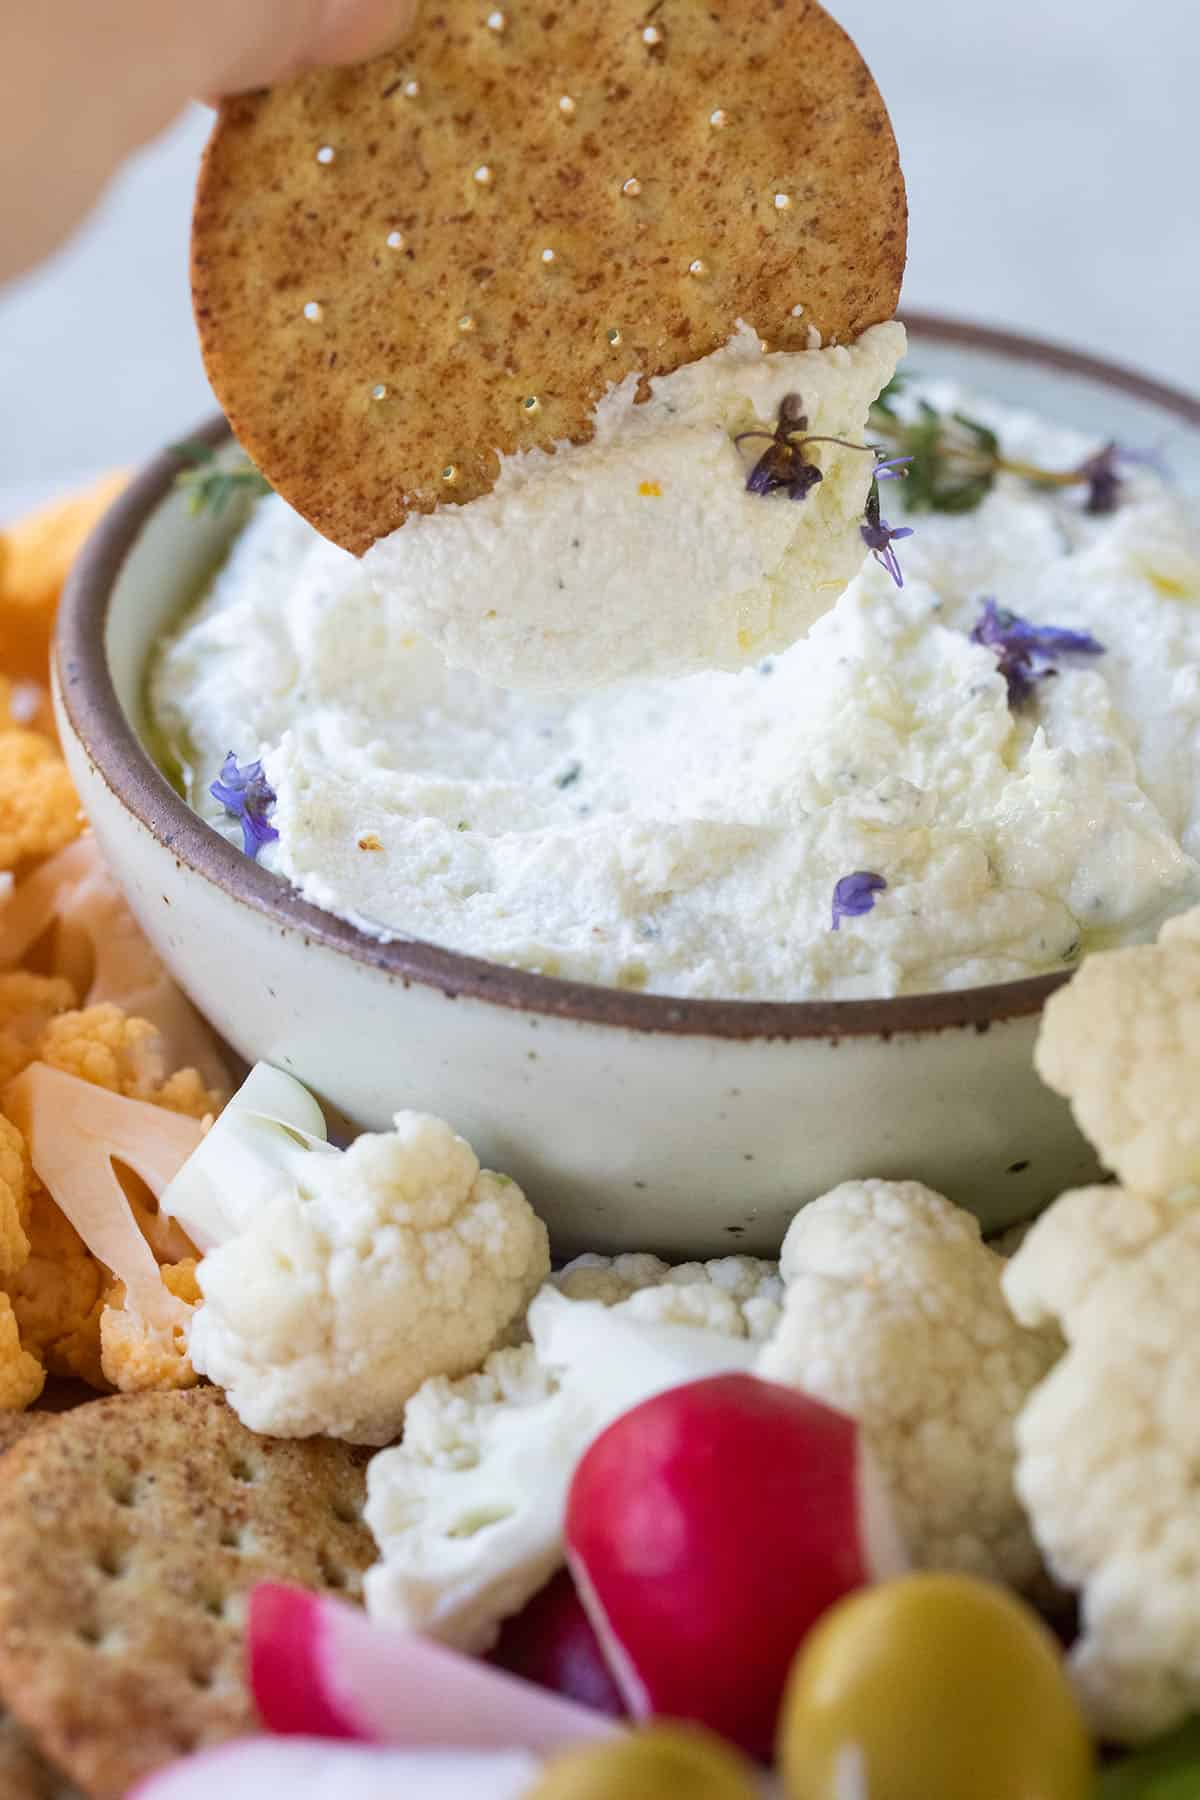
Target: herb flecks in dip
(685, 836)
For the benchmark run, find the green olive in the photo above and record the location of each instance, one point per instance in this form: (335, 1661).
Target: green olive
(661, 1762)
(932, 1687)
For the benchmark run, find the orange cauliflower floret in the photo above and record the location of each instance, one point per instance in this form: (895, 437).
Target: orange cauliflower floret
(76, 1131)
(137, 1356)
(59, 1295)
(22, 1376)
(27, 1003)
(71, 908)
(39, 808)
(104, 1046)
(64, 1291)
(36, 554)
(14, 1201)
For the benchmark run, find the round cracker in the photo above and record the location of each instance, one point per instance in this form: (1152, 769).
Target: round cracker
(377, 310)
(130, 1536)
(15, 1426)
(24, 1772)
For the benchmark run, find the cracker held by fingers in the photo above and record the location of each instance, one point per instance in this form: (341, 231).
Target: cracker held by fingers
(130, 1536)
(403, 271)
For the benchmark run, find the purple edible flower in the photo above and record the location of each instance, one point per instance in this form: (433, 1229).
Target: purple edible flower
(892, 469)
(1102, 472)
(879, 536)
(248, 795)
(783, 464)
(855, 894)
(1021, 646)
(796, 477)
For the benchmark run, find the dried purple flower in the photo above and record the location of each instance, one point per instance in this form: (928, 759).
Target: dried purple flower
(1102, 473)
(1023, 650)
(783, 467)
(879, 536)
(854, 895)
(783, 464)
(245, 792)
(1103, 480)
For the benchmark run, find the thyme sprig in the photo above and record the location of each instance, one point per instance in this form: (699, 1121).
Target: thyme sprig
(955, 459)
(212, 482)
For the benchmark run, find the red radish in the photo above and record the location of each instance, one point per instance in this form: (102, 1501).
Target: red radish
(307, 1769)
(708, 1529)
(286, 1665)
(320, 1668)
(551, 1641)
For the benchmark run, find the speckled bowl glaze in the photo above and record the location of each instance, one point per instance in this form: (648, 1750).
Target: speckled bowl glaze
(694, 1128)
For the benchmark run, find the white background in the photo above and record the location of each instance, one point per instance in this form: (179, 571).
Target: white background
(1050, 152)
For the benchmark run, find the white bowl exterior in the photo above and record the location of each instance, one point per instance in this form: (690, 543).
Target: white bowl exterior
(690, 1145)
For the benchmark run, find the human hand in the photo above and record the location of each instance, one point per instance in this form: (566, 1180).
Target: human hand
(85, 82)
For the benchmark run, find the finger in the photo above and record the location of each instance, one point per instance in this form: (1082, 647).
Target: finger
(82, 84)
(352, 30)
(271, 40)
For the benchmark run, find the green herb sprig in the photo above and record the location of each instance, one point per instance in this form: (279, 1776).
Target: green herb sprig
(212, 482)
(955, 459)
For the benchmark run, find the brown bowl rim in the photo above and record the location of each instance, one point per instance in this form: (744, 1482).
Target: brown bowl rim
(112, 746)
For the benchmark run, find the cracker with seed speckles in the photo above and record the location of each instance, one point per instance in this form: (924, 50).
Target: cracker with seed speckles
(402, 269)
(24, 1772)
(130, 1535)
(14, 1426)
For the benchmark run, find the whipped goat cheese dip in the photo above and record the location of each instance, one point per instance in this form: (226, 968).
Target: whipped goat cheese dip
(641, 552)
(685, 835)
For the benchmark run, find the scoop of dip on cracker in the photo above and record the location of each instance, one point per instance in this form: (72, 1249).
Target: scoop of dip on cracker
(496, 310)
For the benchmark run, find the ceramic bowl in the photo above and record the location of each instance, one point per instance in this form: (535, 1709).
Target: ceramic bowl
(633, 1121)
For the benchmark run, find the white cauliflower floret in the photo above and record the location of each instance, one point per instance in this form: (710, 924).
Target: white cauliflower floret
(446, 1422)
(610, 1279)
(1109, 1445)
(1122, 1042)
(468, 1510)
(1076, 1245)
(739, 1295)
(894, 1313)
(367, 1272)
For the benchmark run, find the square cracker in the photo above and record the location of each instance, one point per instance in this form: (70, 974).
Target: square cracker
(130, 1535)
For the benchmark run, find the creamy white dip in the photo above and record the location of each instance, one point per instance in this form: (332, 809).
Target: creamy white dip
(641, 552)
(685, 836)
